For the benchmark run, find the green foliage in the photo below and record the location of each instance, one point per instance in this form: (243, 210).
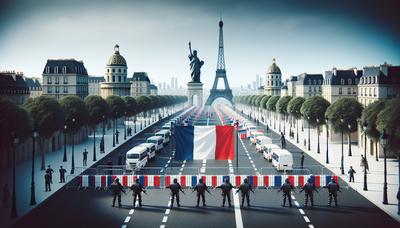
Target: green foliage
(294, 106)
(131, 105)
(14, 122)
(46, 114)
(264, 100)
(369, 117)
(74, 109)
(313, 109)
(281, 105)
(271, 104)
(389, 120)
(155, 101)
(343, 114)
(258, 100)
(144, 102)
(117, 105)
(97, 108)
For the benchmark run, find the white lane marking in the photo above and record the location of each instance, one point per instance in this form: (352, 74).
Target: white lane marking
(184, 161)
(127, 219)
(183, 165)
(311, 226)
(238, 214)
(123, 226)
(292, 197)
(230, 161)
(162, 226)
(162, 170)
(251, 161)
(180, 170)
(202, 170)
(253, 166)
(164, 220)
(168, 161)
(167, 211)
(301, 211)
(306, 219)
(131, 211)
(297, 204)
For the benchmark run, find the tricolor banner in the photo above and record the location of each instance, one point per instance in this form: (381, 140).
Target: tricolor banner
(205, 142)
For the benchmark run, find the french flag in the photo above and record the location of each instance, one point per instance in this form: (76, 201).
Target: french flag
(205, 142)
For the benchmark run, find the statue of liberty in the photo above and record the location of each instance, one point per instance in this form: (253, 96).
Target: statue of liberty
(195, 65)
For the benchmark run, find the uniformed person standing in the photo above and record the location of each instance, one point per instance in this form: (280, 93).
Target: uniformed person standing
(175, 188)
(287, 189)
(333, 188)
(226, 188)
(117, 188)
(137, 189)
(200, 188)
(309, 189)
(245, 188)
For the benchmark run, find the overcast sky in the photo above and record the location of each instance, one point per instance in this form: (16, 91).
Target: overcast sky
(304, 36)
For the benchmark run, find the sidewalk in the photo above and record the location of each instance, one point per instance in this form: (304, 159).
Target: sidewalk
(375, 175)
(24, 169)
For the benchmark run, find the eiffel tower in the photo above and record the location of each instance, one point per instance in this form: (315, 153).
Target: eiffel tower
(220, 73)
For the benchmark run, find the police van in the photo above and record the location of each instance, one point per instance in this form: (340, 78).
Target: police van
(165, 134)
(267, 150)
(158, 141)
(254, 135)
(166, 126)
(151, 149)
(261, 141)
(282, 159)
(136, 158)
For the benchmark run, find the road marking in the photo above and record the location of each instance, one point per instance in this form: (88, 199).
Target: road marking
(167, 211)
(131, 211)
(183, 165)
(123, 226)
(162, 226)
(311, 226)
(238, 214)
(297, 204)
(127, 219)
(162, 170)
(306, 219)
(184, 161)
(164, 220)
(301, 211)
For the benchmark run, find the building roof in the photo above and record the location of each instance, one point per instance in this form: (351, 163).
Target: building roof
(12, 81)
(33, 83)
(153, 87)
(273, 69)
(308, 79)
(116, 59)
(140, 76)
(335, 76)
(72, 66)
(95, 79)
(386, 73)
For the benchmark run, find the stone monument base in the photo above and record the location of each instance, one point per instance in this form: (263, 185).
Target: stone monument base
(195, 88)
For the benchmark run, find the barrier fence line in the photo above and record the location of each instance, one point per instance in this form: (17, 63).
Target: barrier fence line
(161, 181)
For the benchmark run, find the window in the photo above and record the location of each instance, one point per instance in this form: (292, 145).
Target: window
(124, 71)
(349, 81)
(314, 82)
(309, 89)
(47, 70)
(65, 89)
(342, 81)
(56, 69)
(309, 81)
(108, 78)
(348, 90)
(48, 80)
(374, 92)
(356, 81)
(119, 78)
(64, 69)
(57, 89)
(65, 80)
(354, 90)
(119, 70)
(340, 90)
(370, 91)
(113, 77)
(319, 82)
(113, 70)
(315, 89)
(320, 89)
(361, 91)
(49, 89)
(373, 80)
(57, 81)
(108, 70)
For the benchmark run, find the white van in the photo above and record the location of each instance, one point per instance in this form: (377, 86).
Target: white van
(166, 126)
(151, 149)
(282, 159)
(254, 135)
(261, 141)
(165, 134)
(267, 150)
(158, 141)
(136, 158)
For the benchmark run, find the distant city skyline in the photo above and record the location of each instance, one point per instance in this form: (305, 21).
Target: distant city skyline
(153, 36)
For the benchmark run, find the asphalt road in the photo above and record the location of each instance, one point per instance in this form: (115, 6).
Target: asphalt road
(70, 207)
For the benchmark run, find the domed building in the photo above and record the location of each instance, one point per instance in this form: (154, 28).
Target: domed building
(273, 80)
(116, 82)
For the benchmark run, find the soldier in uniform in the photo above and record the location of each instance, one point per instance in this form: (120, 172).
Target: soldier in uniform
(200, 188)
(226, 188)
(309, 189)
(175, 188)
(287, 189)
(245, 188)
(137, 189)
(333, 188)
(117, 188)
(47, 181)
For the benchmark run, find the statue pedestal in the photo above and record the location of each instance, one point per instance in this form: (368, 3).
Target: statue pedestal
(195, 89)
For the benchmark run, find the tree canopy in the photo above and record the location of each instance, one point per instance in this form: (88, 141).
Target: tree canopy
(369, 117)
(74, 109)
(264, 100)
(271, 104)
(117, 106)
(294, 106)
(343, 114)
(97, 108)
(314, 109)
(389, 120)
(281, 105)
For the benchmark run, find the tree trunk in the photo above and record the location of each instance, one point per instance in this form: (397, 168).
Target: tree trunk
(42, 152)
(376, 151)
(349, 135)
(94, 143)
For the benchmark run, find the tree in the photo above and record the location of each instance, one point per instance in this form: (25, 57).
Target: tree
(263, 103)
(388, 119)
(343, 116)
(131, 109)
(98, 110)
(281, 107)
(14, 122)
(47, 117)
(144, 104)
(369, 118)
(257, 102)
(313, 109)
(118, 108)
(271, 106)
(293, 109)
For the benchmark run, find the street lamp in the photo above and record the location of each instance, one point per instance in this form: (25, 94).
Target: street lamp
(116, 128)
(124, 126)
(318, 150)
(65, 143)
(327, 140)
(349, 126)
(14, 197)
(72, 151)
(297, 129)
(308, 119)
(33, 199)
(114, 132)
(342, 158)
(365, 125)
(384, 143)
(104, 132)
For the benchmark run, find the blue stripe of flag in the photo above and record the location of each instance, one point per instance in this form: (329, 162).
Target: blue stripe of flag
(184, 143)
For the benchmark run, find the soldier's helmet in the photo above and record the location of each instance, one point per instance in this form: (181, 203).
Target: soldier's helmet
(117, 180)
(309, 180)
(226, 179)
(287, 181)
(245, 180)
(333, 180)
(137, 180)
(175, 180)
(201, 181)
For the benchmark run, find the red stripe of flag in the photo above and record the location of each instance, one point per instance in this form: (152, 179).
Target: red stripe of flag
(214, 181)
(224, 148)
(317, 181)
(255, 181)
(204, 179)
(124, 180)
(114, 177)
(80, 180)
(146, 181)
(301, 181)
(291, 180)
(167, 180)
(336, 178)
(103, 181)
(156, 181)
(183, 181)
(237, 181)
(266, 181)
